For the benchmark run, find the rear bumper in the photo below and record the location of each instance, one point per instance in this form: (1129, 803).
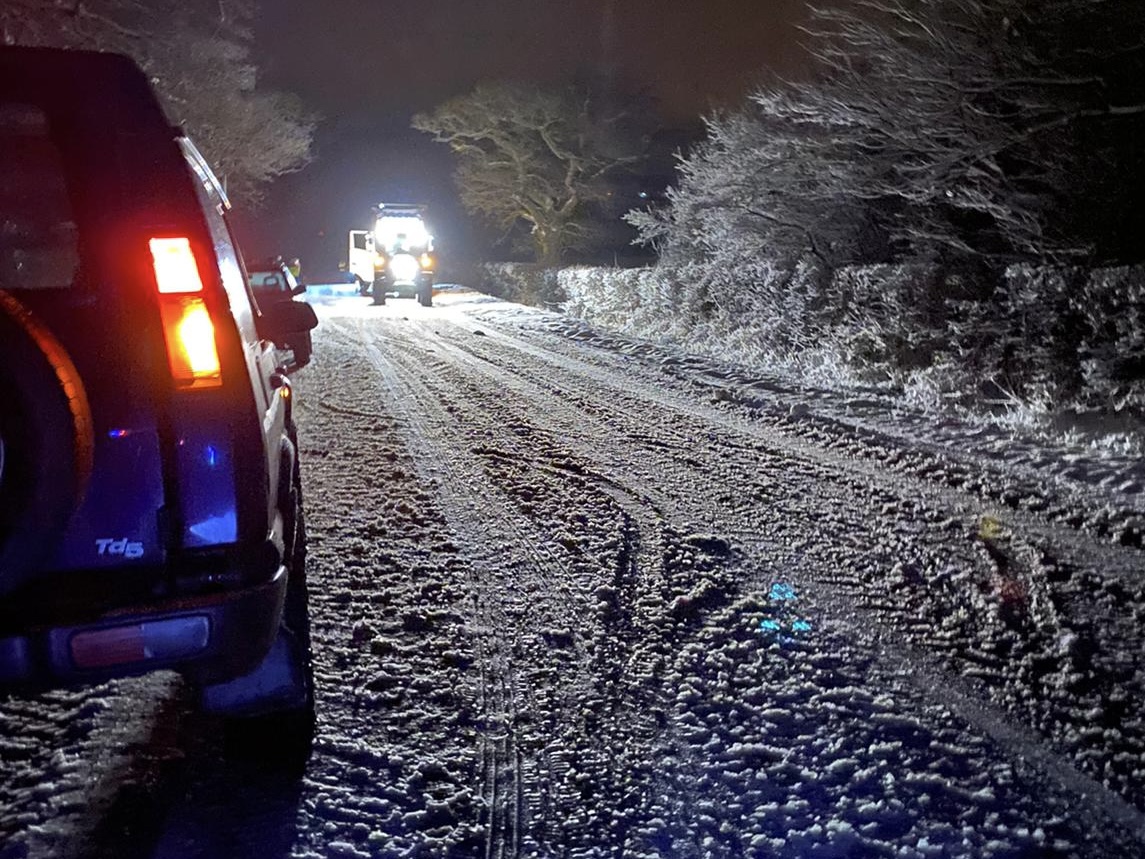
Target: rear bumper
(209, 639)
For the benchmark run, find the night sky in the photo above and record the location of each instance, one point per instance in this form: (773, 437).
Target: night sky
(368, 65)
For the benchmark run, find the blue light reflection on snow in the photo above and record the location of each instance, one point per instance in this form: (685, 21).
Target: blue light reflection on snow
(784, 623)
(782, 591)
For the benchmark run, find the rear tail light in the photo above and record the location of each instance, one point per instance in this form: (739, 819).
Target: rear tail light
(192, 351)
(175, 267)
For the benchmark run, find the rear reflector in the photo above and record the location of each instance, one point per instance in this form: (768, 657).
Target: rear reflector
(158, 640)
(175, 267)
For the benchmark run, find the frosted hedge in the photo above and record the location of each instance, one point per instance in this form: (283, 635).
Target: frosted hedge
(1062, 337)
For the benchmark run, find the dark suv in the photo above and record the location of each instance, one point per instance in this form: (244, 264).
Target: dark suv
(150, 510)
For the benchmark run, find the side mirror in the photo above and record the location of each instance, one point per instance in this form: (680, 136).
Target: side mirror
(298, 290)
(280, 319)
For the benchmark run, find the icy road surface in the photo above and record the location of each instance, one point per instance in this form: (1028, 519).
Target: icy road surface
(576, 596)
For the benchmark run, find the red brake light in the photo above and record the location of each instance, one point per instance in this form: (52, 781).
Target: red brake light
(175, 267)
(192, 353)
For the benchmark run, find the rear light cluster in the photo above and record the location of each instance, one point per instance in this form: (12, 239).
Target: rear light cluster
(192, 352)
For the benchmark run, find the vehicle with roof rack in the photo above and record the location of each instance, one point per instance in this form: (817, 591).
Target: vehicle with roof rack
(397, 256)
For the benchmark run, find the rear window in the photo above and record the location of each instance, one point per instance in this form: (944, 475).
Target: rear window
(39, 242)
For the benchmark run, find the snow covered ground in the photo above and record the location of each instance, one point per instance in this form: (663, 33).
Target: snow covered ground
(578, 596)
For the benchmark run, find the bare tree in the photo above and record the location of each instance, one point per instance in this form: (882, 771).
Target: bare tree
(197, 54)
(983, 115)
(249, 135)
(532, 156)
(70, 23)
(967, 135)
(770, 180)
(989, 129)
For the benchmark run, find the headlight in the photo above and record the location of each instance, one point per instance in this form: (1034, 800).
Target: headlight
(404, 267)
(379, 262)
(426, 262)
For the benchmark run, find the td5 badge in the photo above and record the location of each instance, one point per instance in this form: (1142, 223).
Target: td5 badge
(121, 548)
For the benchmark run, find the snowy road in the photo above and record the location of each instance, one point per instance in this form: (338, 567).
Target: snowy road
(574, 596)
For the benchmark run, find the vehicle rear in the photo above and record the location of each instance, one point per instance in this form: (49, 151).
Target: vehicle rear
(361, 259)
(164, 554)
(405, 259)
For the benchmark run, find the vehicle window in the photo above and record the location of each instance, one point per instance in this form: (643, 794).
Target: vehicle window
(359, 241)
(267, 280)
(39, 242)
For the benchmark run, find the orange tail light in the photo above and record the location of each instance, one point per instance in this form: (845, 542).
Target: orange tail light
(192, 352)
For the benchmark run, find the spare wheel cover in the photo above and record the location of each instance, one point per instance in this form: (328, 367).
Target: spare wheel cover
(46, 441)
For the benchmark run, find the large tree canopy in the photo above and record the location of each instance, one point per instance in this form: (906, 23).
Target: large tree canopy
(996, 129)
(988, 150)
(197, 54)
(534, 156)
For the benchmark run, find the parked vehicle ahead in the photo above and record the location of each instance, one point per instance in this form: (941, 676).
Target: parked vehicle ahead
(150, 502)
(273, 280)
(397, 257)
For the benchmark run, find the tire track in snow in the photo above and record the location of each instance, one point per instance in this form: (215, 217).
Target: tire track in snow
(1014, 484)
(464, 502)
(616, 701)
(611, 419)
(392, 770)
(606, 423)
(71, 773)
